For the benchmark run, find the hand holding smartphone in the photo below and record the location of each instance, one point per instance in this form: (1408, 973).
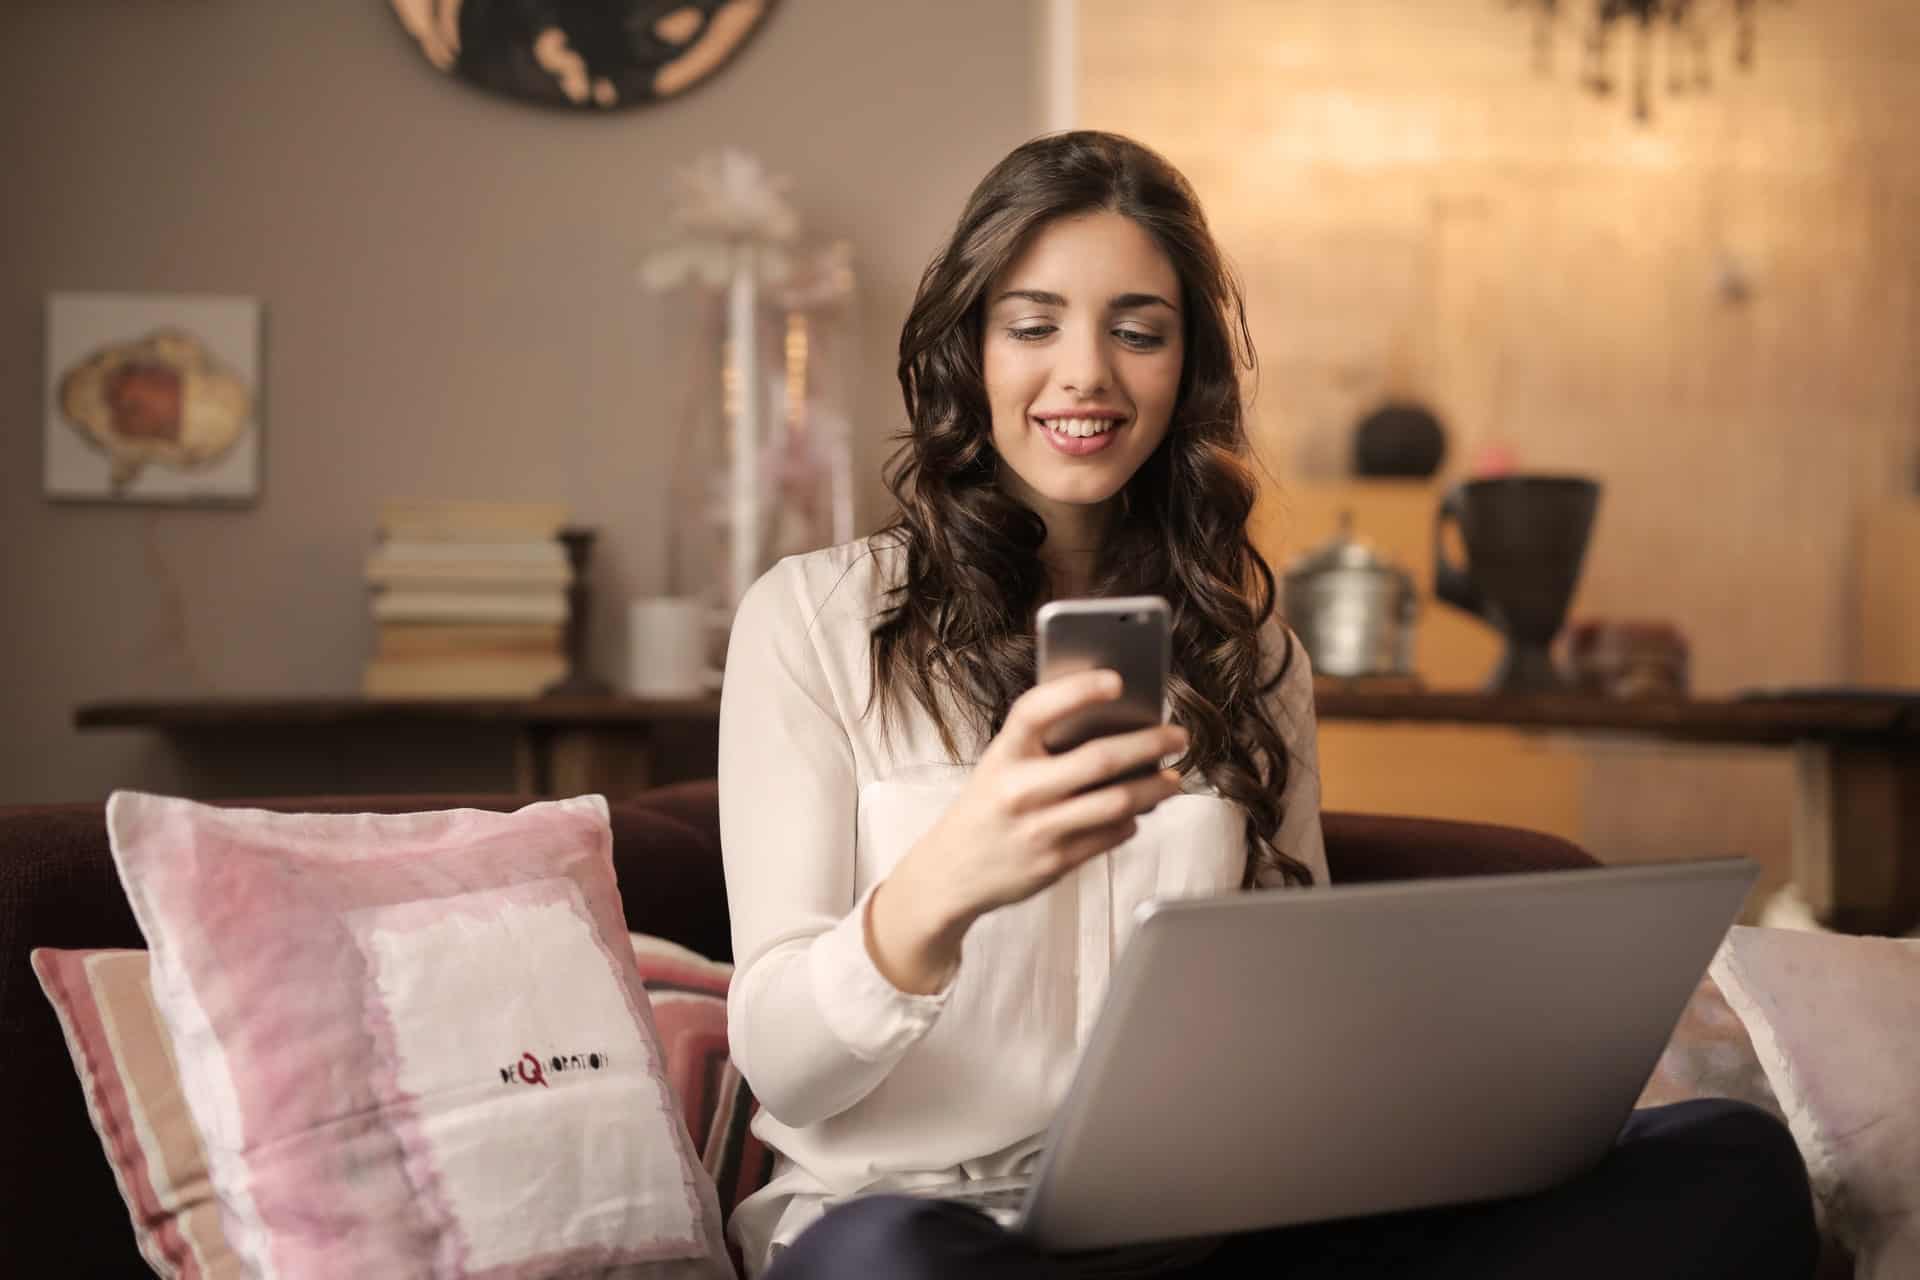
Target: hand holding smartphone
(1030, 813)
(1126, 634)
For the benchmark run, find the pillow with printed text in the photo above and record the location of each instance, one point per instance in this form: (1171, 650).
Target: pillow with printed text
(409, 1043)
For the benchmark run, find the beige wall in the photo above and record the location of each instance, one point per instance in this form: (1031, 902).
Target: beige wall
(1415, 210)
(447, 280)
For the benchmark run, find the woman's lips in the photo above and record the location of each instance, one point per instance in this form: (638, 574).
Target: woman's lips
(1080, 446)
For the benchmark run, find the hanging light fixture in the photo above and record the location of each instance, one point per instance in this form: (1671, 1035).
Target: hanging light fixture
(1674, 33)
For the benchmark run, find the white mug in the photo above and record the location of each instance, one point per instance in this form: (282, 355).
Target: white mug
(666, 647)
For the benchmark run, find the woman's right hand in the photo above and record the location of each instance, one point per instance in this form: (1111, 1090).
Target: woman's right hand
(1025, 818)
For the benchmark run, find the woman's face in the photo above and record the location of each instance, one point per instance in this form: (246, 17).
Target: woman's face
(1082, 352)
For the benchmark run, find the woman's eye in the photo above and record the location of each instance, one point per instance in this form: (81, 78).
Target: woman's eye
(1030, 333)
(1139, 340)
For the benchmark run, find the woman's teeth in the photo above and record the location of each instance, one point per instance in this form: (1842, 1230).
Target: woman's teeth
(1081, 426)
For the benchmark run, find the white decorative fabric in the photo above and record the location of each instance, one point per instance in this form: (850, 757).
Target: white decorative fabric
(1835, 1021)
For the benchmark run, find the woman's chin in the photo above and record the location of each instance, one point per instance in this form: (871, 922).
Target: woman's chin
(1080, 491)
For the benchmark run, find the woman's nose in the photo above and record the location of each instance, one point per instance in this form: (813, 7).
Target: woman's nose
(1084, 368)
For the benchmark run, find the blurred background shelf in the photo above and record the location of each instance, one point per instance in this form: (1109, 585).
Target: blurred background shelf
(1856, 837)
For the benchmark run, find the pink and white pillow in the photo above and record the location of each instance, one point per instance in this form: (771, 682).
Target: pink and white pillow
(415, 1043)
(125, 1064)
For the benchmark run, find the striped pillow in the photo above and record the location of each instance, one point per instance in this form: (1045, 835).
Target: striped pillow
(126, 1066)
(689, 995)
(132, 1084)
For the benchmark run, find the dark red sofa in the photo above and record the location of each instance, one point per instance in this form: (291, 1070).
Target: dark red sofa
(60, 1214)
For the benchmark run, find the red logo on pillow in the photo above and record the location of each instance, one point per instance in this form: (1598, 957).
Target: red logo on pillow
(530, 1070)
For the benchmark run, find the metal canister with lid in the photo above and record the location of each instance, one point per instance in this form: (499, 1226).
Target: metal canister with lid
(1352, 608)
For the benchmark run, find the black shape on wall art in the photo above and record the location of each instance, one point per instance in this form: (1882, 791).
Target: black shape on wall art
(589, 55)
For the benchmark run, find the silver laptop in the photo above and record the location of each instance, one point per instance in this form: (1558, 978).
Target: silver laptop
(1266, 1059)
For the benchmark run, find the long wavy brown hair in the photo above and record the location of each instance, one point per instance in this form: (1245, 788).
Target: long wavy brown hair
(956, 633)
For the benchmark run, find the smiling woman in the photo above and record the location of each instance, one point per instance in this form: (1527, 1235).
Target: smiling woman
(1070, 371)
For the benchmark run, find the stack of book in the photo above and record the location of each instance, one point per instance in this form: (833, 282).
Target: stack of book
(469, 599)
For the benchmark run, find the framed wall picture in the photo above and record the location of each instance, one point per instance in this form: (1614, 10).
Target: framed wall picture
(590, 55)
(152, 398)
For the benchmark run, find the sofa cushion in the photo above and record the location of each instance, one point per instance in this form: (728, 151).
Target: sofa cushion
(405, 1039)
(689, 994)
(1365, 847)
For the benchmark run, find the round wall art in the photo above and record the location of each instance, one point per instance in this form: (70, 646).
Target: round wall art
(588, 54)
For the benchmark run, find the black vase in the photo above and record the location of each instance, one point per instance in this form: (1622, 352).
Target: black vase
(1399, 440)
(1525, 537)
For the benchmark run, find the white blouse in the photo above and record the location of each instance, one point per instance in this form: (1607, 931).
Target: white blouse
(864, 1088)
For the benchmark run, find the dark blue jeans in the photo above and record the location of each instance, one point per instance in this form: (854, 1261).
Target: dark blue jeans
(1699, 1189)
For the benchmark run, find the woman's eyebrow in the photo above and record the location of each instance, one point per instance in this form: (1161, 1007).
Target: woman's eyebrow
(1040, 296)
(1121, 302)
(1132, 301)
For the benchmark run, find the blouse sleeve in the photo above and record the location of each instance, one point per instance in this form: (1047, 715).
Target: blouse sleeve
(812, 1024)
(1299, 835)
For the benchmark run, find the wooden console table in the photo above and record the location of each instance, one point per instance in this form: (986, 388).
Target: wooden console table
(1857, 806)
(561, 746)
(1856, 837)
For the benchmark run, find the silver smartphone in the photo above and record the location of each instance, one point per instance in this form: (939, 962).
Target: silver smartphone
(1127, 634)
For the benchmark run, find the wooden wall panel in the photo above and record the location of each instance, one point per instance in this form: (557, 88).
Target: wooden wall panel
(1415, 209)
(1888, 603)
(1716, 313)
(1466, 774)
